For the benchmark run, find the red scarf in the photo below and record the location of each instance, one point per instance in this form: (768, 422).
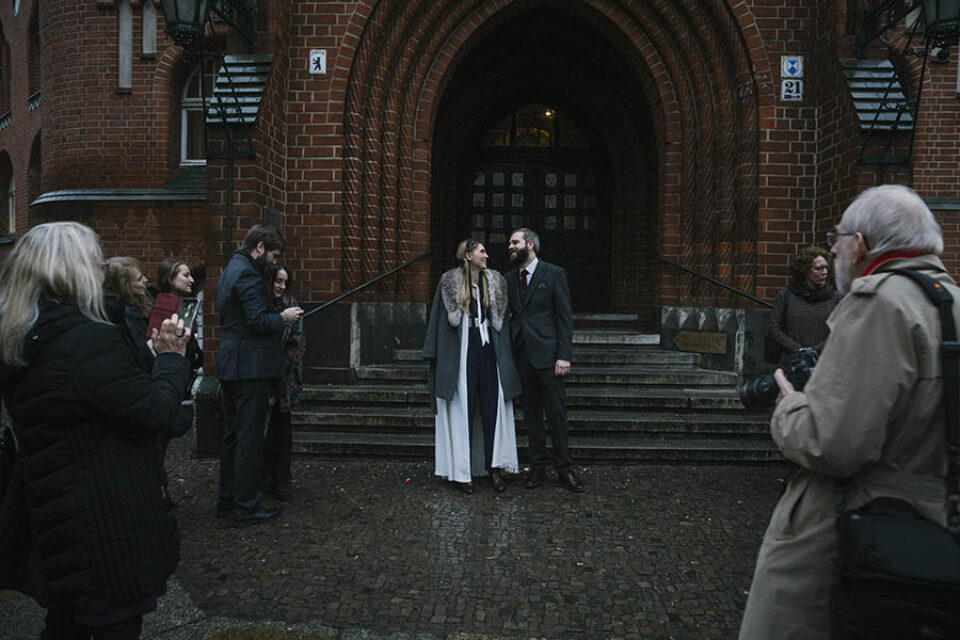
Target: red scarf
(895, 255)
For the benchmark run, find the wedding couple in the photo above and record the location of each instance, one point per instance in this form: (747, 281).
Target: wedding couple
(490, 338)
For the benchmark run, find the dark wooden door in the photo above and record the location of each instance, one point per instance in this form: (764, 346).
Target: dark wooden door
(562, 200)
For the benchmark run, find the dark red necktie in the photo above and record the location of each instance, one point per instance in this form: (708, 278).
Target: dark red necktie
(523, 277)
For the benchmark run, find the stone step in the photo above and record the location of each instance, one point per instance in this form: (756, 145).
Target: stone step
(651, 358)
(628, 400)
(614, 337)
(587, 374)
(583, 449)
(414, 419)
(594, 354)
(605, 318)
(618, 396)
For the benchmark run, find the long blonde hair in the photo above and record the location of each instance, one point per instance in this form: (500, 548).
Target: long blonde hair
(465, 293)
(55, 261)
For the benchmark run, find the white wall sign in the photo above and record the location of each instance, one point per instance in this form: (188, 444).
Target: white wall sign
(318, 61)
(791, 66)
(791, 90)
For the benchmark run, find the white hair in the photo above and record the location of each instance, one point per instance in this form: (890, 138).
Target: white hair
(55, 261)
(893, 217)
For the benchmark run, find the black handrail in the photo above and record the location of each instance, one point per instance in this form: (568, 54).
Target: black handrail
(367, 284)
(714, 281)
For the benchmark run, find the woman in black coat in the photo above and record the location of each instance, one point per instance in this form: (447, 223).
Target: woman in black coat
(127, 302)
(87, 417)
(799, 319)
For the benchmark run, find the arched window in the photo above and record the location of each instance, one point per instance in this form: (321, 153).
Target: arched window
(8, 199)
(193, 103)
(33, 53)
(535, 125)
(35, 171)
(4, 73)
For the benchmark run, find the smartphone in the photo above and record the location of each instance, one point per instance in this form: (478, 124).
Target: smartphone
(188, 311)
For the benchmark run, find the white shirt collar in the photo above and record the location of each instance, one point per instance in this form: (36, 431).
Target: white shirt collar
(532, 266)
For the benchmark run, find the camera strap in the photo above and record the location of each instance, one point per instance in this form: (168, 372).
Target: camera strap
(950, 362)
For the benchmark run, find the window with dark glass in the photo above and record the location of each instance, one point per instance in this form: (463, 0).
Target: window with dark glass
(8, 215)
(536, 125)
(193, 102)
(34, 170)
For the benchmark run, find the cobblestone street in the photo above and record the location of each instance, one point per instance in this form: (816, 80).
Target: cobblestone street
(646, 552)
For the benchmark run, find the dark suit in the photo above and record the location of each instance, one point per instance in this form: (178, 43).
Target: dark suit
(541, 323)
(248, 362)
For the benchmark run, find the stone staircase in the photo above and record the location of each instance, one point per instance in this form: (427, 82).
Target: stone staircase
(627, 401)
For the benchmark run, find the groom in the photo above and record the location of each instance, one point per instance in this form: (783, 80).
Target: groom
(541, 323)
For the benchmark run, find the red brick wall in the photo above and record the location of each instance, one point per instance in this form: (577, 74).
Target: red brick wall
(710, 168)
(17, 139)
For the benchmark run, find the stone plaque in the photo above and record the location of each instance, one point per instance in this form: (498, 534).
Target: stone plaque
(701, 342)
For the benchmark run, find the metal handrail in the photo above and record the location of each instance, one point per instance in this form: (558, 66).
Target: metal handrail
(714, 281)
(366, 284)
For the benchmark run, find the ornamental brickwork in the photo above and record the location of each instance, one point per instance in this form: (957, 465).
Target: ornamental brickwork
(704, 163)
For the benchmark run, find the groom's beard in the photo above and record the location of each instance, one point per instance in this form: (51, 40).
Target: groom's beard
(520, 256)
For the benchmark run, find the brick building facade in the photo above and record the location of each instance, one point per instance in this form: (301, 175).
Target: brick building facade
(621, 130)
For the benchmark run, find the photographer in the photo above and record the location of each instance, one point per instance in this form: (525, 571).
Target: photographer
(871, 414)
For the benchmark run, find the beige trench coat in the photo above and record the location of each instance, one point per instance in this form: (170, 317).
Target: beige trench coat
(872, 411)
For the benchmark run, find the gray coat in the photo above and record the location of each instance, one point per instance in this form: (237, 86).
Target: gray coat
(441, 347)
(871, 412)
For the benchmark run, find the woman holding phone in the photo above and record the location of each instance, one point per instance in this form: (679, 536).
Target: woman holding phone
(174, 278)
(278, 446)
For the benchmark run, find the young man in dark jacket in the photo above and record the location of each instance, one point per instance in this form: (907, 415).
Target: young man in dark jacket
(248, 363)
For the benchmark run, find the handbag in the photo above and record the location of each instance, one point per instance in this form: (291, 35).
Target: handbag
(898, 574)
(14, 525)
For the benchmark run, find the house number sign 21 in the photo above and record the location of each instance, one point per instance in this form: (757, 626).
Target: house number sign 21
(791, 78)
(791, 90)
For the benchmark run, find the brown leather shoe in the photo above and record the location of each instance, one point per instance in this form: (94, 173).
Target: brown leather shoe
(535, 478)
(497, 481)
(572, 482)
(466, 487)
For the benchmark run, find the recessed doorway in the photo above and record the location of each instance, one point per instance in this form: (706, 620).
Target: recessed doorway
(536, 167)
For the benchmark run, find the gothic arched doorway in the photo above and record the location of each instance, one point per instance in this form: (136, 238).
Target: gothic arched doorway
(546, 115)
(535, 167)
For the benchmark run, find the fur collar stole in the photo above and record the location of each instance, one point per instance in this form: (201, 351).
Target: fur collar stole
(451, 283)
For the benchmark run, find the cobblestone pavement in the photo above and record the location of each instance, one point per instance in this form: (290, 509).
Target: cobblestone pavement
(385, 549)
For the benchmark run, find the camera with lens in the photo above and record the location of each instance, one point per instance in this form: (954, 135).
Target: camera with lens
(762, 392)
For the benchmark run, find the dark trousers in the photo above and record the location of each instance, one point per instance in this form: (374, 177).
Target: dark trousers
(482, 386)
(544, 393)
(62, 626)
(277, 449)
(246, 403)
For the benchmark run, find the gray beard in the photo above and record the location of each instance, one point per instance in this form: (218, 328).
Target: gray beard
(843, 272)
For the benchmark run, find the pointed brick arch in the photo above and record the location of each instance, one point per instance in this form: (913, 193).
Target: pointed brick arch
(699, 63)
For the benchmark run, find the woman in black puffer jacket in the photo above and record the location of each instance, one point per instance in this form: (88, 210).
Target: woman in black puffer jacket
(87, 417)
